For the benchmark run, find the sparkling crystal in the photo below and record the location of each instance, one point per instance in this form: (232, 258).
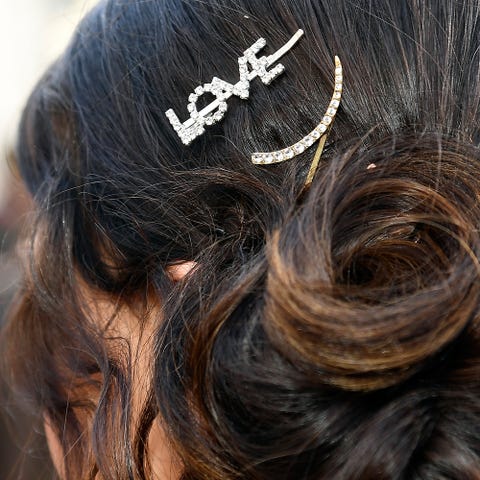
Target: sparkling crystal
(315, 134)
(299, 148)
(289, 153)
(191, 107)
(309, 141)
(242, 94)
(199, 90)
(215, 82)
(331, 111)
(173, 118)
(338, 71)
(334, 103)
(338, 78)
(218, 115)
(327, 120)
(321, 128)
(278, 156)
(268, 77)
(337, 95)
(261, 71)
(338, 87)
(209, 120)
(192, 98)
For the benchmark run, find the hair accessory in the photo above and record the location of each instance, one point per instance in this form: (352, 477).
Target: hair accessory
(222, 90)
(319, 133)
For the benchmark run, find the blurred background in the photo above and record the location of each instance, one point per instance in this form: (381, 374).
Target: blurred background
(32, 34)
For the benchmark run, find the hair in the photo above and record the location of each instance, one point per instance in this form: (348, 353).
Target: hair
(329, 335)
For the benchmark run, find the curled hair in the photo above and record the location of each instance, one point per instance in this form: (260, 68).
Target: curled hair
(332, 335)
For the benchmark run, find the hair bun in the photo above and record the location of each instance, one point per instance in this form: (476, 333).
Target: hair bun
(378, 271)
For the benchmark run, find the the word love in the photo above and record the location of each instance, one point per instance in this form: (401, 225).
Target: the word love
(250, 67)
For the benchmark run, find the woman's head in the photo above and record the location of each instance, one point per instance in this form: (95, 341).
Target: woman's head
(330, 335)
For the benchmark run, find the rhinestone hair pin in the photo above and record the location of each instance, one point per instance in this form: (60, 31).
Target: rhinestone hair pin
(318, 134)
(222, 90)
(251, 67)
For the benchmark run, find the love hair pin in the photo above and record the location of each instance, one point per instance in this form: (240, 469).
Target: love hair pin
(222, 90)
(251, 67)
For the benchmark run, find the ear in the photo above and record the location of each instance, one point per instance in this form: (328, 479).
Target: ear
(54, 446)
(179, 270)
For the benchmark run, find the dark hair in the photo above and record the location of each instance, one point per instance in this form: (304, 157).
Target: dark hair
(332, 335)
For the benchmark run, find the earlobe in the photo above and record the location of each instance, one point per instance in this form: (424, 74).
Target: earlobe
(54, 446)
(178, 271)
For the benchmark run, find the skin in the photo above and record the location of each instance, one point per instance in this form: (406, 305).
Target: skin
(164, 464)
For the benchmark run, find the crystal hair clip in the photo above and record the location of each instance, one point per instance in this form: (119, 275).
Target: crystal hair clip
(251, 67)
(319, 133)
(222, 90)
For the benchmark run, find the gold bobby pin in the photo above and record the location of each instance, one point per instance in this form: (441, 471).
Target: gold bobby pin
(319, 133)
